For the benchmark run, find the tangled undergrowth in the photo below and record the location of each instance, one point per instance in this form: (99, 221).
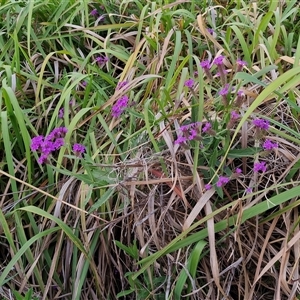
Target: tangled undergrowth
(149, 150)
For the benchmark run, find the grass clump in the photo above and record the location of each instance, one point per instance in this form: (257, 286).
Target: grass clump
(149, 150)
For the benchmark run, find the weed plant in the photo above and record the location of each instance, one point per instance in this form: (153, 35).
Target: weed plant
(149, 149)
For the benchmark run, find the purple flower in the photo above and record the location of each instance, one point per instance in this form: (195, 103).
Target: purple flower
(78, 149)
(48, 147)
(260, 166)
(261, 123)
(219, 60)
(101, 60)
(249, 190)
(239, 98)
(241, 63)
(205, 64)
(84, 83)
(211, 31)
(189, 83)
(224, 91)
(57, 133)
(206, 127)
(189, 132)
(208, 186)
(61, 113)
(222, 181)
(36, 143)
(220, 74)
(43, 159)
(221, 68)
(59, 142)
(193, 134)
(234, 115)
(181, 140)
(119, 107)
(269, 145)
(238, 171)
(94, 12)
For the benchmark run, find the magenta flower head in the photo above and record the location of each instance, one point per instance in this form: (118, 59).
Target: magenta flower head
(78, 149)
(238, 171)
(261, 123)
(208, 186)
(101, 60)
(189, 83)
(46, 145)
(205, 64)
(94, 12)
(43, 159)
(234, 115)
(224, 92)
(181, 140)
(219, 60)
(57, 133)
(221, 68)
(37, 142)
(61, 113)
(259, 167)
(206, 127)
(211, 31)
(119, 107)
(240, 64)
(222, 181)
(269, 145)
(239, 98)
(189, 132)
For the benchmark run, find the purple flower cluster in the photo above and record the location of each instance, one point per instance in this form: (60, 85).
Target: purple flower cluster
(46, 145)
(94, 13)
(189, 83)
(101, 60)
(119, 107)
(205, 64)
(238, 171)
(208, 186)
(221, 68)
(219, 60)
(189, 132)
(222, 181)
(261, 123)
(206, 127)
(260, 167)
(240, 64)
(239, 98)
(78, 149)
(211, 31)
(61, 113)
(234, 115)
(224, 91)
(269, 145)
